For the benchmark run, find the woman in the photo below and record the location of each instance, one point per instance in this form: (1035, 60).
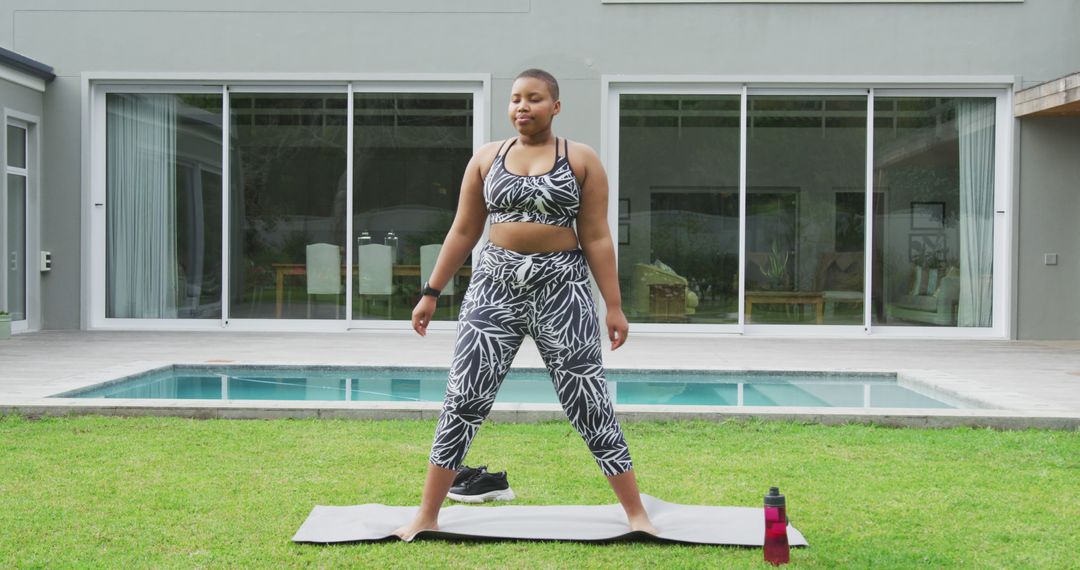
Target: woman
(531, 279)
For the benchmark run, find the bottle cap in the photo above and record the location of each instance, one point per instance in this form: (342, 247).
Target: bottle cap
(774, 498)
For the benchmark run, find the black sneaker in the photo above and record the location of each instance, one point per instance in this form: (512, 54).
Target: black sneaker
(466, 473)
(482, 487)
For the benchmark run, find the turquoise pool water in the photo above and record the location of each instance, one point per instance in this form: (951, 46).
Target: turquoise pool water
(711, 388)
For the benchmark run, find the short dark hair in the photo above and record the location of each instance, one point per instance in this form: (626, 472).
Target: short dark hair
(552, 83)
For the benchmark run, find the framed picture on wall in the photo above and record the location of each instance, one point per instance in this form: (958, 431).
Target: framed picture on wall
(624, 208)
(624, 234)
(928, 215)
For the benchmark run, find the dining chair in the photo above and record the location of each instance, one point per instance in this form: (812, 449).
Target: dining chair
(375, 266)
(429, 254)
(323, 271)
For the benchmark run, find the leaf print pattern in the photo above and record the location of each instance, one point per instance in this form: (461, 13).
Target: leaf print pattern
(553, 198)
(546, 296)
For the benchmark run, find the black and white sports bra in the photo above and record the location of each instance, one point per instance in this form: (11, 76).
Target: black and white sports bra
(553, 198)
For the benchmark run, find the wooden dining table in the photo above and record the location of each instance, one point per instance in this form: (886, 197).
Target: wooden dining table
(283, 269)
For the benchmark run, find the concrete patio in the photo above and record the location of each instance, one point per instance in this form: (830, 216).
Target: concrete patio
(1018, 383)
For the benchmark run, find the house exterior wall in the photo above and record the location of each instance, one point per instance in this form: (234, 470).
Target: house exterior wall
(19, 98)
(577, 40)
(1048, 297)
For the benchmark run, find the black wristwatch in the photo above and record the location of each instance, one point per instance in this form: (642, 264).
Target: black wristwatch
(429, 290)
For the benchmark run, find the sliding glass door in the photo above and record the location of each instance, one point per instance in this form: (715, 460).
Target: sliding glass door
(163, 197)
(805, 178)
(678, 208)
(279, 230)
(836, 221)
(409, 155)
(935, 158)
(287, 205)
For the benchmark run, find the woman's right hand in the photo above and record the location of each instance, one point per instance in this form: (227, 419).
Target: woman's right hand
(422, 313)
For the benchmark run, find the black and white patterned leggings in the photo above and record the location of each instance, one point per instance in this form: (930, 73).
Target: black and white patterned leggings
(548, 297)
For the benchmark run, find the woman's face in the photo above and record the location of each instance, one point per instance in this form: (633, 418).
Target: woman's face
(531, 106)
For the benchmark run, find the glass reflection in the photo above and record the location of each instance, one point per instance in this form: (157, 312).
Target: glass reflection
(410, 152)
(934, 246)
(678, 204)
(163, 199)
(806, 171)
(16, 146)
(16, 247)
(287, 205)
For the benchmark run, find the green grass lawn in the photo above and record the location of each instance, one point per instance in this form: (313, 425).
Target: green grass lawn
(168, 492)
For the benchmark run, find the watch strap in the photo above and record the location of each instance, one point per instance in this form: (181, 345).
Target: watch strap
(429, 290)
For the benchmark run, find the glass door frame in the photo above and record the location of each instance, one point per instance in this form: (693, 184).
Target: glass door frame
(480, 134)
(96, 90)
(609, 149)
(613, 87)
(1004, 216)
(95, 208)
(802, 329)
(31, 204)
(256, 88)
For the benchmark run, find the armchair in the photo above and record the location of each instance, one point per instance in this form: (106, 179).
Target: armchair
(932, 298)
(657, 291)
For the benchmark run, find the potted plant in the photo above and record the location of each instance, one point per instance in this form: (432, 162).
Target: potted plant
(775, 270)
(5, 325)
(930, 252)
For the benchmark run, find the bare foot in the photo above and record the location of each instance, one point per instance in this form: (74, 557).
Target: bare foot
(408, 532)
(642, 522)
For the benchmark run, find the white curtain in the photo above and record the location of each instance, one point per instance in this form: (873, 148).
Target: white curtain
(141, 206)
(975, 122)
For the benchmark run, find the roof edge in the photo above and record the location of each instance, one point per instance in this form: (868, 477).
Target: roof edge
(26, 65)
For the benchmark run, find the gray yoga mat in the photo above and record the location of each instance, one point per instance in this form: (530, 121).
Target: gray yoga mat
(689, 524)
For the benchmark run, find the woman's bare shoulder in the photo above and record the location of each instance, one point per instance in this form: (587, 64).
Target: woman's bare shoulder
(582, 157)
(490, 147)
(580, 150)
(484, 156)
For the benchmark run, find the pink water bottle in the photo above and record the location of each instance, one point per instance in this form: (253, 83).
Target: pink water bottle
(776, 544)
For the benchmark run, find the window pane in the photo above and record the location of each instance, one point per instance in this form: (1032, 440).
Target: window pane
(678, 222)
(163, 200)
(806, 171)
(287, 205)
(15, 256)
(16, 146)
(409, 157)
(934, 237)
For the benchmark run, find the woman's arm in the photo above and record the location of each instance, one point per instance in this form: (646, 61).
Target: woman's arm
(595, 239)
(466, 230)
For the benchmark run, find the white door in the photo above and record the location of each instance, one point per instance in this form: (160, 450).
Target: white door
(17, 181)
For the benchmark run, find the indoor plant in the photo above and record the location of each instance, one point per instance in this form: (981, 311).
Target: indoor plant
(775, 270)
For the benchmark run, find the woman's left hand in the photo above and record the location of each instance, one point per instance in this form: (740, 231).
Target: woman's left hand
(617, 327)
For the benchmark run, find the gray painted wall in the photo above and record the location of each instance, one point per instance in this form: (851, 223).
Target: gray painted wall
(19, 98)
(1049, 295)
(578, 40)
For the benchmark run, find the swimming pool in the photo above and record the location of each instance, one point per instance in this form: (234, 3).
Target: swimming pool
(649, 387)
